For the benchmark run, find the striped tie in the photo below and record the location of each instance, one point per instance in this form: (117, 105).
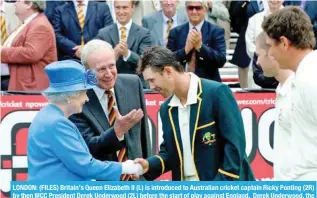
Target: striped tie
(123, 33)
(122, 154)
(81, 19)
(169, 27)
(3, 29)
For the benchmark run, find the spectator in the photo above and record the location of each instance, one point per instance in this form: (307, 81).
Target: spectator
(76, 23)
(199, 45)
(29, 48)
(161, 22)
(240, 12)
(127, 38)
(218, 14)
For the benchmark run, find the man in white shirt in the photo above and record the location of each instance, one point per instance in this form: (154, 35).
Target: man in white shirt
(203, 134)
(293, 49)
(282, 126)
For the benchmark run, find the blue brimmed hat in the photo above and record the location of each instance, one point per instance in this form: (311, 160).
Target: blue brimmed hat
(68, 75)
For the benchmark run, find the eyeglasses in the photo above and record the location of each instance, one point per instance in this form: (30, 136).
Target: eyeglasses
(197, 8)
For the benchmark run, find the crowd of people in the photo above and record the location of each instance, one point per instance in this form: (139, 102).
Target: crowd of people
(93, 72)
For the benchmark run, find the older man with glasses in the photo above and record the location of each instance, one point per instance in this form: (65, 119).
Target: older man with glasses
(199, 45)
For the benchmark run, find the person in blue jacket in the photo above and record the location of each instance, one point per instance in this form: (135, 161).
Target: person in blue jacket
(56, 149)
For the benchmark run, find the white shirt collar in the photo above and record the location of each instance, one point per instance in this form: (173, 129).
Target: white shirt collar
(198, 27)
(85, 2)
(128, 25)
(286, 87)
(101, 92)
(30, 18)
(165, 18)
(191, 95)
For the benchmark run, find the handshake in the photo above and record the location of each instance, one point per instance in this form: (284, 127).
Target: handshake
(137, 167)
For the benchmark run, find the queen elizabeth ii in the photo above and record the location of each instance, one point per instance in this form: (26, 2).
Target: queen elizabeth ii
(56, 149)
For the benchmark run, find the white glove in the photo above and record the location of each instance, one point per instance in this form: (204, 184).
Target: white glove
(130, 167)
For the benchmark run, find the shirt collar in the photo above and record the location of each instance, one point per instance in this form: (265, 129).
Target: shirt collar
(30, 18)
(85, 2)
(191, 95)
(198, 27)
(165, 18)
(101, 92)
(283, 89)
(128, 25)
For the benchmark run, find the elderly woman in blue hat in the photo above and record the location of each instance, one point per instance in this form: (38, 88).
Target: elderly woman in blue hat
(56, 149)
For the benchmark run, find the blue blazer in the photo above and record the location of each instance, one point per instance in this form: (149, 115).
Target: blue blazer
(67, 28)
(51, 6)
(216, 134)
(57, 151)
(212, 54)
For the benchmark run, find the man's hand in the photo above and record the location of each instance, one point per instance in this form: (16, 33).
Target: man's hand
(197, 39)
(189, 43)
(78, 50)
(144, 163)
(118, 51)
(124, 123)
(124, 48)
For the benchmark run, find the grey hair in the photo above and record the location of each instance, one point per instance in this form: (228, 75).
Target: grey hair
(61, 97)
(38, 5)
(92, 46)
(203, 2)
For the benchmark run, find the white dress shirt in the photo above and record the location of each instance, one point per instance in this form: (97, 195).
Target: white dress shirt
(304, 121)
(128, 27)
(103, 99)
(165, 24)
(8, 42)
(184, 116)
(282, 129)
(85, 6)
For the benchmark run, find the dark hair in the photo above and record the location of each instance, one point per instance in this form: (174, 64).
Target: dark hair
(157, 58)
(293, 23)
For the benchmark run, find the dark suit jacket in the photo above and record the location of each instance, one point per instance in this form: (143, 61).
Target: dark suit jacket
(51, 6)
(67, 28)
(240, 12)
(260, 79)
(212, 54)
(311, 10)
(216, 134)
(138, 39)
(100, 137)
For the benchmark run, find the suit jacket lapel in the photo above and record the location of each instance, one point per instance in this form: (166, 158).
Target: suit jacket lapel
(96, 110)
(114, 34)
(194, 115)
(183, 35)
(122, 100)
(158, 27)
(204, 32)
(91, 10)
(132, 35)
(174, 121)
(72, 10)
